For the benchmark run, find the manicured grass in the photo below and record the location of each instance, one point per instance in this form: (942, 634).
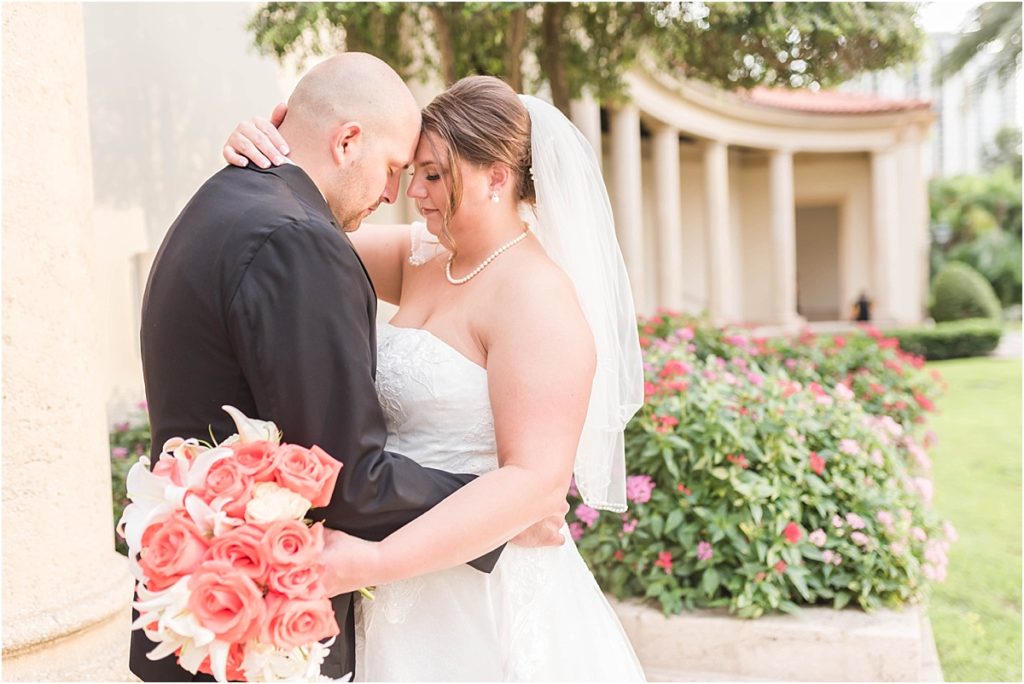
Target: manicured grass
(976, 613)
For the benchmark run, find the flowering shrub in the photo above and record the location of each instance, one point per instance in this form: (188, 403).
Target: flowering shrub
(129, 439)
(771, 473)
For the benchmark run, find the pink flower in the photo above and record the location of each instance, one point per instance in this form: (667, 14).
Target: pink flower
(918, 534)
(297, 581)
(877, 459)
(225, 480)
(704, 551)
(310, 473)
(226, 601)
(755, 379)
(143, 406)
(885, 517)
(576, 530)
(898, 548)
(844, 392)
(855, 521)
(573, 489)
(628, 527)
(639, 488)
(664, 561)
(242, 549)
(119, 452)
(122, 427)
(685, 333)
(859, 538)
(950, 531)
(848, 446)
(292, 623)
(793, 533)
(924, 486)
(171, 549)
(587, 515)
(790, 363)
(781, 566)
(290, 542)
(258, 459)
(837, 521)
(827, 555)
(818, 537)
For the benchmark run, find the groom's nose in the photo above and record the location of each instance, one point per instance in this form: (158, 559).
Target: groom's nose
(391, 189)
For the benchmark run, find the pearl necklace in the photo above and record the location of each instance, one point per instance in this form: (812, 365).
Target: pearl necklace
(476, 271)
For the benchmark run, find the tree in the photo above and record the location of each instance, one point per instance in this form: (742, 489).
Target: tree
(1005, 151)
(576, 46)
(996, 24)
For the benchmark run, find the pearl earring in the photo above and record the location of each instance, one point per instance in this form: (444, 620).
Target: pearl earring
(495, 198)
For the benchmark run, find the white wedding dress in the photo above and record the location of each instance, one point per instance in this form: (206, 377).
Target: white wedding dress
(539, 616)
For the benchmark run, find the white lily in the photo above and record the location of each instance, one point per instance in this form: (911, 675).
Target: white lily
(211, 520)
(201, 466)
(252, 430)
(176, 626)
(153, 499)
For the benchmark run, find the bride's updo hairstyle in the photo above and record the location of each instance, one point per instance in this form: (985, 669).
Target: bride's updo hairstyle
(480, 120)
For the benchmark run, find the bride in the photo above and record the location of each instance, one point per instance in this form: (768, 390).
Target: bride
(513, 355)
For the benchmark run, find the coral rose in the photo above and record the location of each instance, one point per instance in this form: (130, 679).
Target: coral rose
(225, 480)
(297, 581)
(170, 549)
(290, 542)
(292, 623)
(242, 548)
(226, 601)
(258, 460)
(311, 473)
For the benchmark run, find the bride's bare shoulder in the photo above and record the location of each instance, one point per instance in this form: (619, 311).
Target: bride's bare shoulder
(539, 302)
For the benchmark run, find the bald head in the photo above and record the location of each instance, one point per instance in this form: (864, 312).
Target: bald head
(352, 86)
(352, 125)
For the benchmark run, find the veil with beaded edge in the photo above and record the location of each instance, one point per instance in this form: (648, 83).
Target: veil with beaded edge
(573, 221)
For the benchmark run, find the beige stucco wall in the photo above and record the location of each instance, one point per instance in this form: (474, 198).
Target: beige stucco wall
(63, 584)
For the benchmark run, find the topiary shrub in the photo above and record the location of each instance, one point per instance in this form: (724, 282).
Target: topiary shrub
(960, 292)
(952, 339)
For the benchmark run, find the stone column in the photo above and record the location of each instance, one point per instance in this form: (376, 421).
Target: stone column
(628, 208)
(65, 591)
(721, 263)
(669, 212)
(586, 114)
(914, 227)
(885, 225)
(783, 235)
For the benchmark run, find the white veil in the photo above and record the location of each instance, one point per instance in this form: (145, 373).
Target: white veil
(573, 221)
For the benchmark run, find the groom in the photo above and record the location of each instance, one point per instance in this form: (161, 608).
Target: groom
(257, 299)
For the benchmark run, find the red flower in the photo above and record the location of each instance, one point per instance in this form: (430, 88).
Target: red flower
(817, 463)
(684, 489)
(839, 341)
(889, 343)
(645, 342)
(793, 533)
(619, 555)
(780, 567)
(650, 389)
(738, 460)
(924, 402)
(664, 561)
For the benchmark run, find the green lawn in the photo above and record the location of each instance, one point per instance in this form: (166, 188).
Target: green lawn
(976, 613)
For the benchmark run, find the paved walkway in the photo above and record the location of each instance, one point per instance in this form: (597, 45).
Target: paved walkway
(1009, 346)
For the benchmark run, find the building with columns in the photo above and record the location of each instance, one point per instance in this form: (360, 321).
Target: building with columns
(769, 207)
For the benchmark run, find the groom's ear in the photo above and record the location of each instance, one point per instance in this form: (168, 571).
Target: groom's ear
(345, 142)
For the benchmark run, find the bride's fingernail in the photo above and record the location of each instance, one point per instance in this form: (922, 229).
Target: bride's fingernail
(285, 149)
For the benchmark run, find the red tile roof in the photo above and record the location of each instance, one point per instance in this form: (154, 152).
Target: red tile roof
(828, 101)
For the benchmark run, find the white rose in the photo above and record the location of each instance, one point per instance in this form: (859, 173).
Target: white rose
(271, 502)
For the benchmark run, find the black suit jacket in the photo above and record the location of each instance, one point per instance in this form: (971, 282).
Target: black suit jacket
(257, 299)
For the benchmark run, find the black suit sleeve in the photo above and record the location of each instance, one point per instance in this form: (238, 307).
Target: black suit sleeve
(300, 321)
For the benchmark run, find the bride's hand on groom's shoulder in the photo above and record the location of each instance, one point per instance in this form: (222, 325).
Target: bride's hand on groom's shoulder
(350, 563)
(547, 532)
(258, 140)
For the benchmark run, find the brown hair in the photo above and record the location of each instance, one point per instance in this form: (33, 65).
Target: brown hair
(481, 120)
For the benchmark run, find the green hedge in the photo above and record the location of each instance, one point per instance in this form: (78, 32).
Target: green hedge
(951, 340)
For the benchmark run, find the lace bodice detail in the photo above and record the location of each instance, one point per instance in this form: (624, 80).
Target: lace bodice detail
(435, 402)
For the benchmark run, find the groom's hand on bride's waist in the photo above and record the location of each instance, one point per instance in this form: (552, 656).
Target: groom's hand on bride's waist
(547, 532)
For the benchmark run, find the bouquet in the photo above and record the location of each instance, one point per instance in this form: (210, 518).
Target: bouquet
(228, 570)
